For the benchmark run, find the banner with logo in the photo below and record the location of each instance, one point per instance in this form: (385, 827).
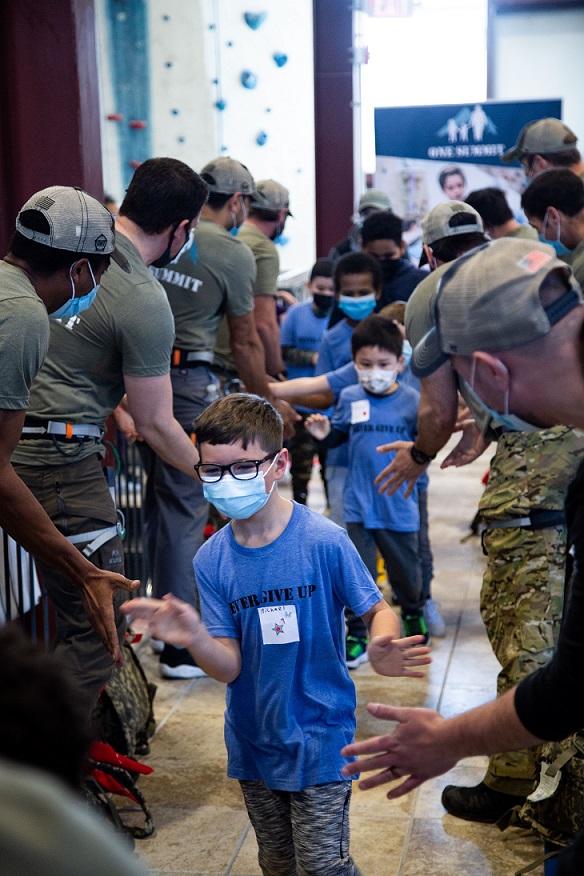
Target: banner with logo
(428, 154)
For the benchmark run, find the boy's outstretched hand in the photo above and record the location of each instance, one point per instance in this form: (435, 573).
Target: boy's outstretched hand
(318, 425)
(391, 656)
(169, 619)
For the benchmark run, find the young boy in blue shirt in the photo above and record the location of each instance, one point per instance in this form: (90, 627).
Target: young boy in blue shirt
(377, 409)
(272, 586)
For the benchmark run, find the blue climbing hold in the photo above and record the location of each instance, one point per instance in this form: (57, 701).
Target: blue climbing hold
(262, 138)
(221, 104)
(249, 79)
(255, 19)
(280, 58)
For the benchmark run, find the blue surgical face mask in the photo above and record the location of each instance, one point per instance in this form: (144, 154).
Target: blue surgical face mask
(509, 422)
(74, 306)
(239, 499)
(357, 308)
(406, 352)
(557, 244)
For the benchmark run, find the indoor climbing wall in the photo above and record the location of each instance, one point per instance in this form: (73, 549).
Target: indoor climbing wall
(202, 78)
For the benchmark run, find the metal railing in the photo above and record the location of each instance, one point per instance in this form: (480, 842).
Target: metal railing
(21, 594)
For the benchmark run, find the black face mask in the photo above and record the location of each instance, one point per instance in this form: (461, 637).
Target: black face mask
(165, 258)
(323, 303)
(389, 268)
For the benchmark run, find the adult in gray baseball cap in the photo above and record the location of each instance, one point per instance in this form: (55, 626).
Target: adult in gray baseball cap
(62, 245)
(371, 201)
(527, 358)
(544, 144)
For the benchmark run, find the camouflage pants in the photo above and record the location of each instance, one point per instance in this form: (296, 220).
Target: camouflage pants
(521, 604)
(303, 448)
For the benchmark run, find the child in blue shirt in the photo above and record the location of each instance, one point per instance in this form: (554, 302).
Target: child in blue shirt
(379, 409)
(273, 584)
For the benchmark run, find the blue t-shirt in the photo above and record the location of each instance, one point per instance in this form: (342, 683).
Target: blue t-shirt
(372, 420)
(334, 352)
(292, 707)
(302, 329)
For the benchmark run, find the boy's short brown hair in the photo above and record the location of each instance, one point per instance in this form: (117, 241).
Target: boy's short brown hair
(396, 311)
(376, 331)
(241, 417)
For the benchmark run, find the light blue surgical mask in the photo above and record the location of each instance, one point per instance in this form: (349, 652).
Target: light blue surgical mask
(74, 306)
(406, 352)
(557, 244)
(357, 308)
(508, 422)
(236, 498)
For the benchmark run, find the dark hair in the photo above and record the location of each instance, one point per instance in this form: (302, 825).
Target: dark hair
(377, 331)
(322, 268)
(163, 192)
(240, 417)
(383, 225)
(216, 200)
(450, 171)
(46, 260)
(43, 715)
(358, 263)
(566, 158)
(449, 248)
(561, 189)
(491, 204)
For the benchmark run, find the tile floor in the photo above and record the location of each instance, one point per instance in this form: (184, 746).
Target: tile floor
(201, 823)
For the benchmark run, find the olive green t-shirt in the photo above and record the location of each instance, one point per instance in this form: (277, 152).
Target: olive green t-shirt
(266, 256)
(24, 336)
(266, 283)
(215, 276)
(127, 330)
(527, 232)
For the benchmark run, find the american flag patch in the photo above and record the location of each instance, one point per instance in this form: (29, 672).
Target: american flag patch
(534, 260)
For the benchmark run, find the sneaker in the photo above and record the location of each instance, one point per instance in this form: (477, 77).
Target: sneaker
(415, 625)
(356, 651)
(178, 663)
(434, 620)
(157, 646)
(480, 803)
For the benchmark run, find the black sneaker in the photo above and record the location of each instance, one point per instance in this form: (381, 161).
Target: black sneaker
(415, 625)
(178, 663)
(480, 803)
(356, 651)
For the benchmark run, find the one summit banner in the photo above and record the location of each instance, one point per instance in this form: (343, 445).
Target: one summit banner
(428, 154)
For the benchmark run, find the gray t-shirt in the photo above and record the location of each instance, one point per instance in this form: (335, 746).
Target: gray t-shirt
(419, 321)
(215, 276)
(128, 330)
(24, 336)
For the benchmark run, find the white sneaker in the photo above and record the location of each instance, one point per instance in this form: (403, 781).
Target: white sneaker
(434, 620)
(183, 670)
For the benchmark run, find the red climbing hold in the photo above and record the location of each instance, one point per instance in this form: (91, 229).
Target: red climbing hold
(137, 124)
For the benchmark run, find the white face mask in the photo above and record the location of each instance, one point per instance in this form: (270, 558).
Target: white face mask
(376, 380)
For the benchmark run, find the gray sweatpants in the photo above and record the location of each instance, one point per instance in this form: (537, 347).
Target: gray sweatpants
(301, 833)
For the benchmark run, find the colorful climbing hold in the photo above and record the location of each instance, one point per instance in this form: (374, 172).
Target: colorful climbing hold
(137, 124)
(262, 138)
(255, 19)
(248, 79)
(114, 117)
(280, 58)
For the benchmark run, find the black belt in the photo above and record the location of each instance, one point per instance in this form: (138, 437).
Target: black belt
(189, 359)
(60, 430)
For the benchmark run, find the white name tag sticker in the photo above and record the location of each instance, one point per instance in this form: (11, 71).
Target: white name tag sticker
(360, 411)
(279, 624)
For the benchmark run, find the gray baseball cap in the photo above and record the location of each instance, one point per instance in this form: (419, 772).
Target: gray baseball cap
(541, 136)
(436, 224)
(374, 198)
(230, 176)
(489, 299)
(275, 196)
(78, 222)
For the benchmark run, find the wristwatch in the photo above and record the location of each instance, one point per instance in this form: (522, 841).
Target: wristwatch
(419, 457)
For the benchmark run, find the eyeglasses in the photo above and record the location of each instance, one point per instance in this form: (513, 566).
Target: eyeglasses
(245, 470)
